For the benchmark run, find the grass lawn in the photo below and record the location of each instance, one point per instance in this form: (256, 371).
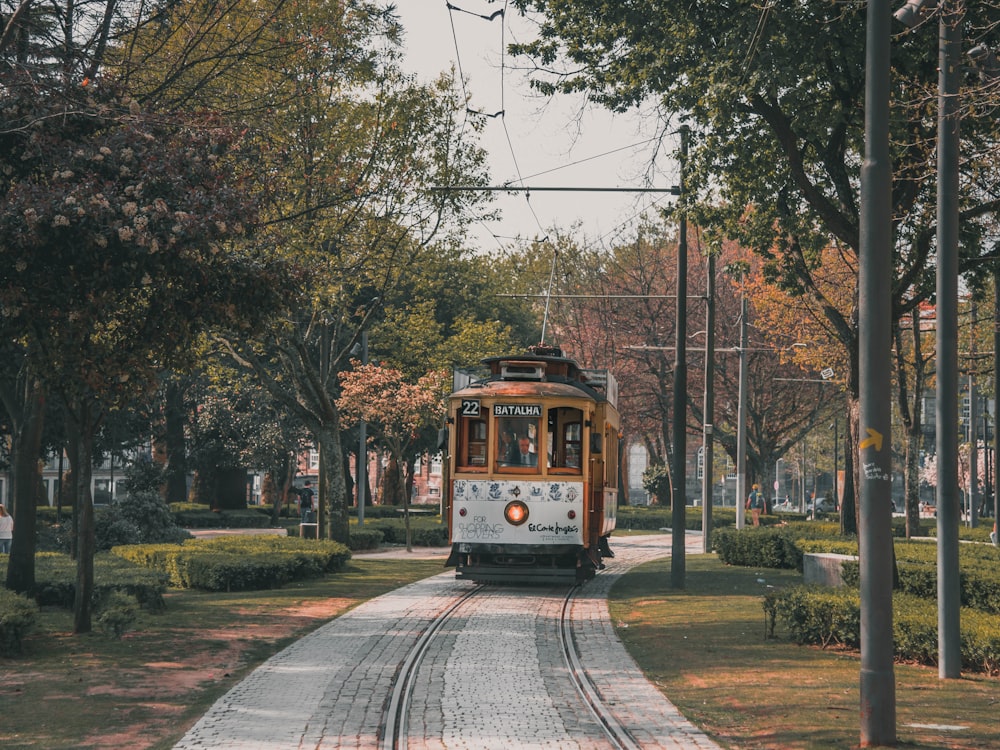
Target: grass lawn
(147, 689)
(704, 647)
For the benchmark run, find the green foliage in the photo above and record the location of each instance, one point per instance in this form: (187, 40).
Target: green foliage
(117, 613)
(140, 517)
(833, 616)
(365, 538)
(765, 547)
(55, 580)
(251, 518)
(816, 615)
(656, 481)
(18, 616)
(426, 532)
(239, 563)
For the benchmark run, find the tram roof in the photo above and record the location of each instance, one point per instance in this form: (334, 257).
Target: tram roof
(546, 365)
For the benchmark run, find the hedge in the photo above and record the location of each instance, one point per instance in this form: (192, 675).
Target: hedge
(55, 581)
(239, 563)
(824, 616)
(18, 617)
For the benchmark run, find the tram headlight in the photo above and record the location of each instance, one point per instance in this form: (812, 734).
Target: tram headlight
(516, 513)
(462, 512)
(571, 515)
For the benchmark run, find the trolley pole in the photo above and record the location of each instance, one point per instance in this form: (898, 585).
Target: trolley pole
(679, 499)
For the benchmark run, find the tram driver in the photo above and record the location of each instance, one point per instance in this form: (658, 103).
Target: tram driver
(522, 454)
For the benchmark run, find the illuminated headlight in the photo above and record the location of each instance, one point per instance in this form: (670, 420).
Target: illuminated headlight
(516, 513)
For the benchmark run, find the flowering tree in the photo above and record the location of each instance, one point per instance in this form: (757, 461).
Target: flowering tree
(123, 237)
(395, 411)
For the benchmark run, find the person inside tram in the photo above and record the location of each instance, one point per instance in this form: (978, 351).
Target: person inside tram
(522, 454)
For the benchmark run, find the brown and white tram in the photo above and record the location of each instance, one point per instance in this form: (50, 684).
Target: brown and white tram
(532, 490)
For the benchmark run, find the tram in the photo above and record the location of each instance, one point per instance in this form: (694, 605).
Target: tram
(531, 490)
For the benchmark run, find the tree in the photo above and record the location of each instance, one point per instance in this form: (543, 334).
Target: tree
(396, 411)
(776, 101)
(121, 236)
(352, 147)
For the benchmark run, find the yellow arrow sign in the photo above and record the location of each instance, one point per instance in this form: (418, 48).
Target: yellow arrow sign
(874, 438)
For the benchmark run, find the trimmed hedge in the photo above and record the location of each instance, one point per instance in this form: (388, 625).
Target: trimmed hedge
(823, 616)
(758, 547)
(239, 563)
(55, 581)
(425, 532)
(18, 617)
(252, 518)
(365, 539)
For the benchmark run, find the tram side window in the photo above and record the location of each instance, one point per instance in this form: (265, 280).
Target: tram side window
(517, 441)
(565, 438)
(473, 449)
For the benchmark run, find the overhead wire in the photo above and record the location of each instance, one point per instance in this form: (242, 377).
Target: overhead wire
(520, 179)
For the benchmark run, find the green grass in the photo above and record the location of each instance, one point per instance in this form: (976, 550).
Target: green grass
(704, 647)
(144, 691)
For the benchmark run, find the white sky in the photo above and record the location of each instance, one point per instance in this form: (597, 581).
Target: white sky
(537, 139)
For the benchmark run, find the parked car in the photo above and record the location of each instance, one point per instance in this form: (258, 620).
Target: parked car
(823, 505)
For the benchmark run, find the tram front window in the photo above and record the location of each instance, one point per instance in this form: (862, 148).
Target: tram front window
(518, 442)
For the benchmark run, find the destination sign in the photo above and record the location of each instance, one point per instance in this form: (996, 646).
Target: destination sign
(517, 410)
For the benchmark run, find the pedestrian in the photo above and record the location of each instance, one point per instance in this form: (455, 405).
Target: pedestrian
(306, 502)
(6, 530)
(756, 504)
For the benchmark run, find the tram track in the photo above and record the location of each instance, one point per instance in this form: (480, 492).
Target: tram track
(395, 730)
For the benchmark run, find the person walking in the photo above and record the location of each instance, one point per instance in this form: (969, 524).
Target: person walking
(306, 502)
(756, 504)
(6, 530)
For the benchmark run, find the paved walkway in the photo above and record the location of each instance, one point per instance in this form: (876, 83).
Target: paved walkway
(329, 689)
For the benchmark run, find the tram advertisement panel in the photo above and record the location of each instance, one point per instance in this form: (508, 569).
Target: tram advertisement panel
(554, 512)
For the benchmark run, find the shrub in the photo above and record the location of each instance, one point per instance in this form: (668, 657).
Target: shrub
(18, 616)
(239, 563)
(824, 616)
(116, 614)
(764, 547)
(365, 538)
(55, 580)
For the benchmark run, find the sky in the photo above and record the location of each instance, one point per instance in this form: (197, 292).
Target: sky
(541, 142)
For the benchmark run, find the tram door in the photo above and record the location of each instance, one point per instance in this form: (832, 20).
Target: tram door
(597, 468)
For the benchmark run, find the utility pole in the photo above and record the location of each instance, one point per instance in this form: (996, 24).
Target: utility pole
(741, 422)
(679, 474)
(709, 410)
(877, 679)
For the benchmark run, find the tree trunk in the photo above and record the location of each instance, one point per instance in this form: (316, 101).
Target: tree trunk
(82, 470)
(27, 451)
(334, 521)
(175, 417)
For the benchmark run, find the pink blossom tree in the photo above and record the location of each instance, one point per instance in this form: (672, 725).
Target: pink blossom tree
(397, 413)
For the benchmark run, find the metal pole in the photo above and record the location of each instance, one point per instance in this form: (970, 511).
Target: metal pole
(996, 395)
(949, 49)
(679, 500)
(973, 513)
(361, 470)
(741, 422)
(877, 680)
(709, 409)
(836, 446)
